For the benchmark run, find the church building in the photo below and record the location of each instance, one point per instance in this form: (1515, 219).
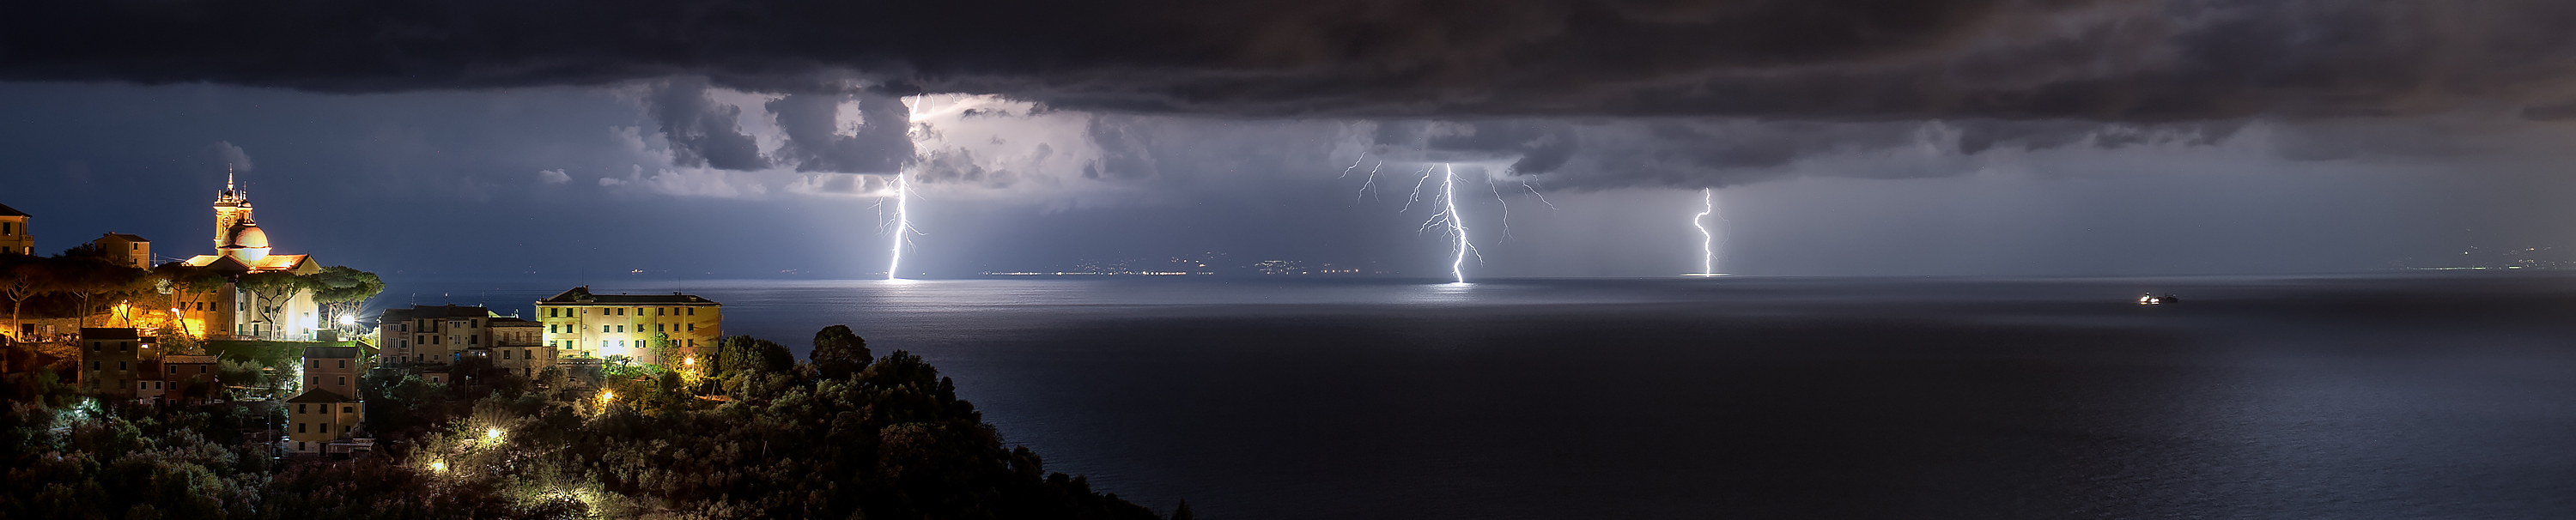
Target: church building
(242, 248)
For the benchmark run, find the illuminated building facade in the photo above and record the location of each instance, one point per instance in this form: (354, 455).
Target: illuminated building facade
(129, 250)
(328, 409)
(242, 247)
(14, 237)
(644, 327)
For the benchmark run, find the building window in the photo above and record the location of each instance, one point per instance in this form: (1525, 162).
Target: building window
(344, 363)
(603, 343)
(657, 311)
(120, 366)
(299, 408)
(657, 327)
(299, 428)
(603, 328)
(693, 327)
(344, 380)
(505, 354)
(348, 409)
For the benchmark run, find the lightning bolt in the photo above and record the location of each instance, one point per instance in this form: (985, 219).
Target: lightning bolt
(1346, 172)
(903, 201)
(1708, 242)
(1449, 197)
(1507, 206)
(1417, 190)
(902, 222)
(1372, 180)
(1542, 199)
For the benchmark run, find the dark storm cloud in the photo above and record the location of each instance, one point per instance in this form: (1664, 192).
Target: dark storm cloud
(702, 132)
(875, 143)
(2114, 60)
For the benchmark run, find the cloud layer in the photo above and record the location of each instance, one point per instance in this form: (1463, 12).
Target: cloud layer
(2103, 60)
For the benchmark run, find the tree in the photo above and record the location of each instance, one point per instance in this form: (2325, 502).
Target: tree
(839, 353)
(272, 287)
(749, 355)
(342, 290)
(23, 277)
(187, 286)
(88, 273)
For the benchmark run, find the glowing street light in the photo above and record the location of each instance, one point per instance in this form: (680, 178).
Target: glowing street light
(605, 396)
(493, 434)
(438, 466)
(348, 320)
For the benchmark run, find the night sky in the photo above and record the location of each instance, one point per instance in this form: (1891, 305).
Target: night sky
(697, 139)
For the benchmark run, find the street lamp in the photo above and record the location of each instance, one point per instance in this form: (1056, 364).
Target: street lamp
(493, 434)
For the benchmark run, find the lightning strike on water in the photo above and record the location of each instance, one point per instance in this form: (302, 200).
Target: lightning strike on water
(1457, 226)
(902, 222)
(902, 202)
(1708, 242)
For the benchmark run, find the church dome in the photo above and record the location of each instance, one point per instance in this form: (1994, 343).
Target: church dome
(246, 234)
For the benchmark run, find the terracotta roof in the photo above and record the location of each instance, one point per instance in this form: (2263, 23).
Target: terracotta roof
(183, 360)
(6, 211)
(125, 237)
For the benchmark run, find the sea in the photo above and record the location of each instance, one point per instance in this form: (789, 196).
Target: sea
(2398, 395)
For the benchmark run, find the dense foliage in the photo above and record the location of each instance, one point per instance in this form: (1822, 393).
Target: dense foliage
(845, 436)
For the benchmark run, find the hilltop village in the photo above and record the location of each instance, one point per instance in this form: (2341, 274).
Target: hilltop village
(241, 383)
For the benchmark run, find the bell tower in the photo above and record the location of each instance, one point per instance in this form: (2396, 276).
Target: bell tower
(231, 207)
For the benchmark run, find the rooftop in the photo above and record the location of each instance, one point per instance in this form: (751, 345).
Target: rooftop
(6, 211)
(319, 396)
(582, 296)
(107, 333)
(330, 352)
(417, 312)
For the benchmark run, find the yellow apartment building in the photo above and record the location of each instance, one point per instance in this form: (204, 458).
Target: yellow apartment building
(600, 325)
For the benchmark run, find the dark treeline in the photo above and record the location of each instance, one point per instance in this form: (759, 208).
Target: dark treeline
(754, 434)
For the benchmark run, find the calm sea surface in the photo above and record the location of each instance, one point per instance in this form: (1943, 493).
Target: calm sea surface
(2419, 396)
